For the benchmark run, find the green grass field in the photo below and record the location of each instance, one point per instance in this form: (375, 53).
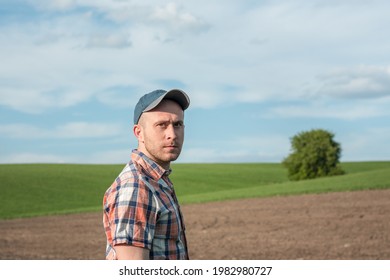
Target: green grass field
(43, 189)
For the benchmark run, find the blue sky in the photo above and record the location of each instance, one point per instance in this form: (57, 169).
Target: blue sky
(257, 73)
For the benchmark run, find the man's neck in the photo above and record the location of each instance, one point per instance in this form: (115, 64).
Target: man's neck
(164, 165)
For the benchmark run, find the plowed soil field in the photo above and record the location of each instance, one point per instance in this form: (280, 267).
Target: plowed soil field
(347, 225)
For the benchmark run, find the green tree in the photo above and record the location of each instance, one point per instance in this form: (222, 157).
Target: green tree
(314, 154)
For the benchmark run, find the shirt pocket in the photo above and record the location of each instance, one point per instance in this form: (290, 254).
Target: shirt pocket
(168, 225)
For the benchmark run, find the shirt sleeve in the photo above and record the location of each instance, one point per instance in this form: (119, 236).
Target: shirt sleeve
(132, 215)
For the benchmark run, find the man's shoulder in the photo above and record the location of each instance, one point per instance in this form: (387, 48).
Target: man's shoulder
(128, 180)
(132, 172)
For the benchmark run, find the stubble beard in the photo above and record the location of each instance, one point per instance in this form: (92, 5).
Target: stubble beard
(161, 155)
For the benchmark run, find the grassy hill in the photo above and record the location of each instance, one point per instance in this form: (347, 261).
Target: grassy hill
(42, 189)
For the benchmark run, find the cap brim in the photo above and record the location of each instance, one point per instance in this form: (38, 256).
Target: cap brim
(174, 94)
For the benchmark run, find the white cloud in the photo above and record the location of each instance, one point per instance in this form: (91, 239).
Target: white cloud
(331, 110)
(119, 96)
(173, 19)
(60, 5)
(81, 44)
(62, 60)
(37, 158)
(33, 101)
(120, 156)
(109, 41)
(65, 131)
(106, 157)
(361, 82)
(357, 147)
(64, 53)
(176, 19)
(262, 148)
(198, 155)
(87, 130)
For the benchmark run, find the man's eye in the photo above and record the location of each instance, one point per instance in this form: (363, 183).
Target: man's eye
(179, 124)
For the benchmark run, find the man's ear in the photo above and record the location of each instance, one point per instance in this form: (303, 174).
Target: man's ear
(137, 130)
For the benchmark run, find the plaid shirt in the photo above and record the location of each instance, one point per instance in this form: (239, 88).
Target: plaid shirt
(141, 209)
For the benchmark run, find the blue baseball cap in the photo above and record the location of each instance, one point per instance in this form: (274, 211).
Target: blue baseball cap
(152, 99)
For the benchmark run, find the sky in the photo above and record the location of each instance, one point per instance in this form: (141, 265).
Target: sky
(257, 73)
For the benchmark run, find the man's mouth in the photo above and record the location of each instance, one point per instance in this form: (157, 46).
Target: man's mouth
(170, 146)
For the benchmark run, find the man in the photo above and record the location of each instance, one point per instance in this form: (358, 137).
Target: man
(142, 217)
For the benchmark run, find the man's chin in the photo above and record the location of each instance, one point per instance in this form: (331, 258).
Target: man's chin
(172, 156)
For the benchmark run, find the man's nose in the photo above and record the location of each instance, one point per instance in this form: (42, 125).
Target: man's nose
(171, 132)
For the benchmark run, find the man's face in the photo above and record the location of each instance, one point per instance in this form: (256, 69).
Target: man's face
(160, 133)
